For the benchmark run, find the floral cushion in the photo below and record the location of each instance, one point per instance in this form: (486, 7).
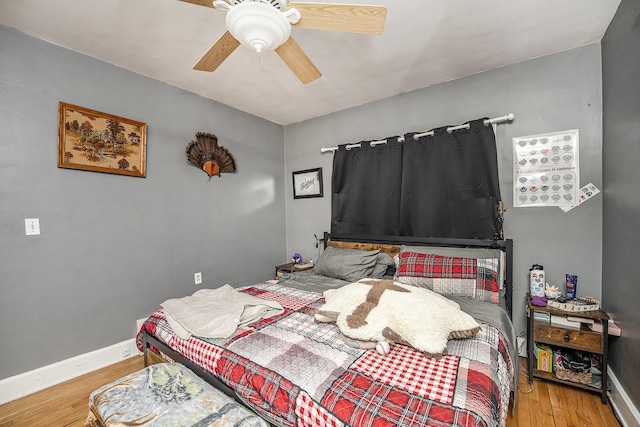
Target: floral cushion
(166, 394)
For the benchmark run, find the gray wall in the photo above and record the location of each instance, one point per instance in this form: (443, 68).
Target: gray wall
(621, 154)
(113, 247)
(552, 93)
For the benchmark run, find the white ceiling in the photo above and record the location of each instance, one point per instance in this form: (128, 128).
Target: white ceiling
(424, 42)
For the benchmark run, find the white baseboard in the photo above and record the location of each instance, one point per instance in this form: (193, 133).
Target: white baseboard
(29, 382)
(622, 405)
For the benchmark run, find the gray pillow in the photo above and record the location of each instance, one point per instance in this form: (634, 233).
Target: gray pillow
(382, 263)
(346, 264)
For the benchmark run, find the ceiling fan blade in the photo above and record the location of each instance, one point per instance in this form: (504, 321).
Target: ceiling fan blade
(207, 3)
(295, 58)
(350, 18)
(218, 53)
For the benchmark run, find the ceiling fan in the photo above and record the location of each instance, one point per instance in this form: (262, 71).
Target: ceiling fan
(266, 25)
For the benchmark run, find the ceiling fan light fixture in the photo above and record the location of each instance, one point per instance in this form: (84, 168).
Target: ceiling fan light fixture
(258, 26)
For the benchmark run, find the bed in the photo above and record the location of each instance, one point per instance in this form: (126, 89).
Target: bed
(295, 371)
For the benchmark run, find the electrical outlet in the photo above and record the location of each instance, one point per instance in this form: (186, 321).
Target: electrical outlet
(126, 352)
(198, 278)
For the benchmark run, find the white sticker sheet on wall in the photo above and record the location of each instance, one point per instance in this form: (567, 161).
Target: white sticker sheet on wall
(586, 192)
(546, 169)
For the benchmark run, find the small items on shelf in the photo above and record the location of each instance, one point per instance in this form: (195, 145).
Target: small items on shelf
(296, 258)
(544, 358)
(302, 266)
(541, 316)
(564, 322)
(580, 319)
(284, 270)
(575, 305)
(613, 329)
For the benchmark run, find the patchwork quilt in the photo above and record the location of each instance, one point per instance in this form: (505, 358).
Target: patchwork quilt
(295, 372)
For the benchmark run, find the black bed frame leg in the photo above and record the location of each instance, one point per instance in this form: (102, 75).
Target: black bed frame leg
(146, 349)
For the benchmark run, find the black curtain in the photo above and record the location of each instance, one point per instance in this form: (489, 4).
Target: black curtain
(450, 184)
(365, 189)
(445, 185)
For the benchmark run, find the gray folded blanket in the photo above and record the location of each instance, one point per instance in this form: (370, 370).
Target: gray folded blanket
(216, 313)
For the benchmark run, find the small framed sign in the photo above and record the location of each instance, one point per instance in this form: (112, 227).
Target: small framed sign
(307, 183)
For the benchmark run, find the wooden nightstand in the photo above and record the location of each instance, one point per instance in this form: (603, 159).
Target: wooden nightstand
(290, 267)
(579, 339)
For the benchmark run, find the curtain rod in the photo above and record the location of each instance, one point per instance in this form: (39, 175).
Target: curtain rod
(493, 121)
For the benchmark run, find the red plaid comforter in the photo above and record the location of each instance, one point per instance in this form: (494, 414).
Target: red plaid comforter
(296, 372)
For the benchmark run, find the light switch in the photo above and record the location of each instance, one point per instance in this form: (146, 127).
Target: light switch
(32, 226)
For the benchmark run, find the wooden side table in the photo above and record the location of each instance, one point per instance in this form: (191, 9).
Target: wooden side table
(290, 267)
(579, 339)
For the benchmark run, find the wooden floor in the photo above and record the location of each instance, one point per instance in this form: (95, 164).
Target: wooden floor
(558, 405)
(65, 404)
(548, 404)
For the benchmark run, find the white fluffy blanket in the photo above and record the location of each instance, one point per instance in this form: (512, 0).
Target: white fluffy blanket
(216, 313)
(384, 310)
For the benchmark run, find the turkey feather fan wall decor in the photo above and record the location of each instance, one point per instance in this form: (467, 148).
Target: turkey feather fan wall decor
(205, 153)
(263, 25)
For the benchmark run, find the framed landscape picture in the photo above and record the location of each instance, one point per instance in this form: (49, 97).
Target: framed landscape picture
(307, 183)
(94, 141)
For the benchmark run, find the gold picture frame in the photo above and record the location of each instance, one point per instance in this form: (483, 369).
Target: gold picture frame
(94, 141)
